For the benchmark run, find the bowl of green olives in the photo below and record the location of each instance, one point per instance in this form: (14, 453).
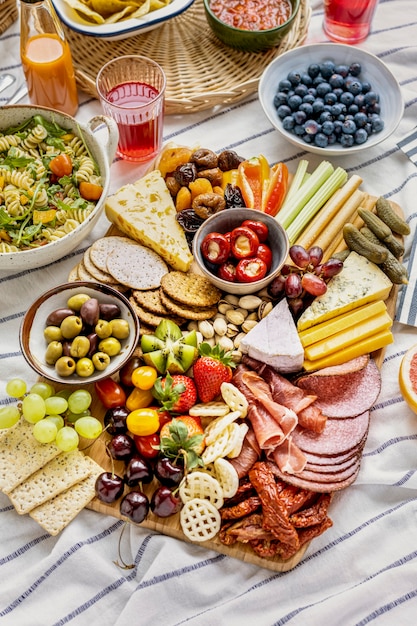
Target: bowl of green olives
(79, 333)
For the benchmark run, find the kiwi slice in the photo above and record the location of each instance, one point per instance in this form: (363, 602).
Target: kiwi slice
(168, 350)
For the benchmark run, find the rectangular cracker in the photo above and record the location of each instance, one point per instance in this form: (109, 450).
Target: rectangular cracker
(21, 455)
(56, 476)
(55, 514)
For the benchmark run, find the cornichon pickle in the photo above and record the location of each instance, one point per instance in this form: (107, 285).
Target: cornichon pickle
(387, 214)
(395, 270)
(356, 241)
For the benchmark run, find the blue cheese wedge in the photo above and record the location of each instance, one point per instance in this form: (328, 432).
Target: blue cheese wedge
(146, 212)
(359, 283)
(275, 341)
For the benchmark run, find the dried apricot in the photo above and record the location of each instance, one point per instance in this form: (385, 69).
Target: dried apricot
(172, 158)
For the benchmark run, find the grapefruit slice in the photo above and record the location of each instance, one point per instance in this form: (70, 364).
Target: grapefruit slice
(408, 377)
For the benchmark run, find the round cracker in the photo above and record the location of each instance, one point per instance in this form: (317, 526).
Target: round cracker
(101, 248)
(190, 289)
(138, 267)
(150, 319)
(97, 273)
(73, 276)
(187, 312)
(83, 273)
(151, 301)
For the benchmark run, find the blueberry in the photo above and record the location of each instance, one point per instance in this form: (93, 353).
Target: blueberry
(347, 98)
(338, 125)
(317, 80)
(343, 70)
(299, 129)
(346, 141)
(288, 123)
(283, 111)
(349, 127)
(326, 116)
(318, 106)
(323, 88)
(337, 109)
(301, 90)
(307, 108)
(299, 117)
(355, 87)
(309, 98)
(353, 109)
(311, 127)
(327, 127)
(332, 139)
(360, 119)
(307, 138)
(360, 101)
(280, 98)
(294, 78)
(366, 87)
(284, 85)
(360, 136)
(377, 123)
(374, 108)
(355, 69)
(306, 79)
(336, 81)
(312, 91)
(371, 97)
(327, 69)
(313, 70)
(294, 102)
(321, 140)
(330, 98)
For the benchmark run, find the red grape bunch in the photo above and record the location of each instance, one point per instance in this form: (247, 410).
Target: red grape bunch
(306, 279)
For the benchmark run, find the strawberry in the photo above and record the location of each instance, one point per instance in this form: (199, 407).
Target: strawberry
(183, 436)
(175, 393)
(212, 368)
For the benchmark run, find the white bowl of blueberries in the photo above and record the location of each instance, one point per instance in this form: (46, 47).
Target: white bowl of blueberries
(331, 99)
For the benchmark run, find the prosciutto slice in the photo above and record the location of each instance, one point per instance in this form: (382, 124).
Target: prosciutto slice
(288, 457)
(249, 454)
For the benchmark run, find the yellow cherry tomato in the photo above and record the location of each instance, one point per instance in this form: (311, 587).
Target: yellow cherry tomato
(144, 376)
(139, 399)
(143, 421)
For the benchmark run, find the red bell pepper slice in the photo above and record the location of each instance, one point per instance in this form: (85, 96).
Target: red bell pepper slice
(275, 191)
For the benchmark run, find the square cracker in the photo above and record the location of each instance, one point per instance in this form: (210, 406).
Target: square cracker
(56, 476)
(55, 514)
(21, 455)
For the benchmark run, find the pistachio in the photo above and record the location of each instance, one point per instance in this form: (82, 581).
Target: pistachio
(238, 339)
(235, 316)
(236, 356)
(232, 299)
(249, 302)
(248, 325)
(223, 307)
(253, 316)
(264, 309)
(220, 326)
(206, 329)
(232, 330)
(192, 325)
(226, 343)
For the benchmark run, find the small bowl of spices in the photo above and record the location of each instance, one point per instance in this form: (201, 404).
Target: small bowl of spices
(251, 25)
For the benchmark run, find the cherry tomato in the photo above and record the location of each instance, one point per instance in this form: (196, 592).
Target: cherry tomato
(147, 445)
(264, 252)
(61, 165)
(110, 393)
(227, 271)
(250, 270)
(244, 242)
(215, 248)
(90, 191)
(143, 421)
(139, 399)
(259, 227)
(125, 374)
(144, 377)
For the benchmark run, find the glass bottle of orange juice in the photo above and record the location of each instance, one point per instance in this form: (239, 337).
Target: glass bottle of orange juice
(46, 57)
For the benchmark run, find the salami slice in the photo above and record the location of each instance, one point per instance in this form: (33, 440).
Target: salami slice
(341, 396)
(332, 468)
(338, 437)
(317, 485)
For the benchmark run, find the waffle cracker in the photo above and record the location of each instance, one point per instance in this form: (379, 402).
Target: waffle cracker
(187, 312)
(55, 514)
(190, 289)
(201, 485)
(21, 455)
(200, 520)
(227, 476)
(57, 475)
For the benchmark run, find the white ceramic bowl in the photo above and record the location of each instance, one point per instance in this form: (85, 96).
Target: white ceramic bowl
(223, 222)
(123, 29)
(102, 151)
(33, 343)
(374, 71)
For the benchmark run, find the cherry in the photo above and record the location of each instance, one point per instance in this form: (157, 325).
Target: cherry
(164, 502)
(115, 420)
(168, 472)
(109, 487)
(121, 447)
(135, 506)
(138, 471)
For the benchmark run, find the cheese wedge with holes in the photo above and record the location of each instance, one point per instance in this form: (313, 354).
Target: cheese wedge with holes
(341, 340)
(146, 212)
(331, 327)
(359, 283)
(366, 346)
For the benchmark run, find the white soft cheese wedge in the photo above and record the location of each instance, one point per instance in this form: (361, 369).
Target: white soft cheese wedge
(146, 212)
(275, 341)
(359, 282)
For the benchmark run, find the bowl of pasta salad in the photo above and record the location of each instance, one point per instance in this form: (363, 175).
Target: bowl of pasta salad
(54, 178)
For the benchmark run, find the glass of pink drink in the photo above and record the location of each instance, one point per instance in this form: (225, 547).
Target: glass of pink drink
(348, 21)
(131, 89)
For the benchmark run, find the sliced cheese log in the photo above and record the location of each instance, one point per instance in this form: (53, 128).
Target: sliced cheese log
(359, 283)
(365, 346)
(348, 336)
(341, 322)
(146, 212)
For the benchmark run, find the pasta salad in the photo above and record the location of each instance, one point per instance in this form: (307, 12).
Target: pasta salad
(49, 184)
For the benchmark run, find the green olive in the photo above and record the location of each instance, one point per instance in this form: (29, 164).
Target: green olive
(80, 347)
(84, 367)
(103, 329)
(120, 328)
(71, 326)
(101, 360)
(75, 302)
(52, 333)
(65, 366)
(53, 352)
(110, 346)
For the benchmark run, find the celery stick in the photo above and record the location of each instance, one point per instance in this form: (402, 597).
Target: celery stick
(287, 214)
(297, 181)
(333, 182)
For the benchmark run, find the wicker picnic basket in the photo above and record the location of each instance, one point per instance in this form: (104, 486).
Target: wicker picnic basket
(8, 14)
(201, 71)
